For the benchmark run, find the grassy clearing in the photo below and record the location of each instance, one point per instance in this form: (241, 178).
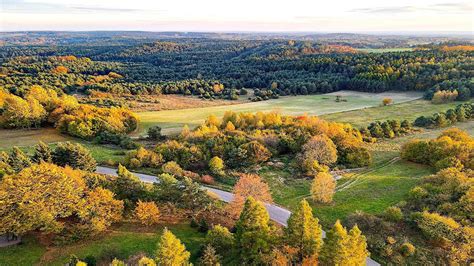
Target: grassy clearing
(122, 243)
(27, 139)
(384, 184)
(408, 110)
(173, 120)
(23, 137)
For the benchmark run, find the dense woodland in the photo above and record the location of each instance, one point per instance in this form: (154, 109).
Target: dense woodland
(222, 68)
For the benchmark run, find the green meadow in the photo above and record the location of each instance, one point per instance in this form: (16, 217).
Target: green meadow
(172, 121)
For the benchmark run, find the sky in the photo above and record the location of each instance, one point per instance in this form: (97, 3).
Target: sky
(240, 15)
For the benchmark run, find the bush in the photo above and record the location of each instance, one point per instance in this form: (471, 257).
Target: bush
(393, 214)
(154, 133)
(407, 249)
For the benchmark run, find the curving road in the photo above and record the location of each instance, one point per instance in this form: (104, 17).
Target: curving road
(277, 214)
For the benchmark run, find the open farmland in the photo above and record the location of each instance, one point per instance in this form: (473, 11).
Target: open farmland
(173, 120)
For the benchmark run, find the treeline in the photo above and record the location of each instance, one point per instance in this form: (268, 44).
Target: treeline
(451, 90)
(460, 113)
(39, 107)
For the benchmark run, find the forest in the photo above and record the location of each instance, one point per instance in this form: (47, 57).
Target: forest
(84, 181)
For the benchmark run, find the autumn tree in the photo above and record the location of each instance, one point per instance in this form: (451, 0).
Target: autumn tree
(249, 185)
(253, 235)
(145, 261)
(357, 247)
(46, 194)
(304, 232)
(253, 153)
(341, 248)
(216, 165)
(319, 150)
(209, 257)
(323, 187)
(147, 213)
(100, 210)
(170, 251)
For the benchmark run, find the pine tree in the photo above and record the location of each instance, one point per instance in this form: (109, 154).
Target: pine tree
(209, 257)
(127, 186)
(357, 247)
(335, 250)
(304, 232)
(145, 261)
(171, 251)
(42, 153)
(18, 159)
(253, 233)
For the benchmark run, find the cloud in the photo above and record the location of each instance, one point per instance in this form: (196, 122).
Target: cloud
(459, 7)
(22, 6)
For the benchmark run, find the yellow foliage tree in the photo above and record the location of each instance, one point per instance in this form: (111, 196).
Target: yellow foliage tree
(147, 213)
(323, 187)
(170, 250)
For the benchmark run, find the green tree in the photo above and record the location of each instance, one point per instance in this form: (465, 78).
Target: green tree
(170, 250)
(18, 159)
(42, 153)
(304, 232)
(74, 155)
(127, 186)
(253, 233)
(220, 239)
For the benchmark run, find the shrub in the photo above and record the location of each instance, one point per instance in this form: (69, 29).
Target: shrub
(387, 101)
(407, 249)
(438, 228)
(207, 179)
(154, 133)
(393, 214)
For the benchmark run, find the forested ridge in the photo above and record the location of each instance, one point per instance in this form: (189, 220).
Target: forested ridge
(193, 66)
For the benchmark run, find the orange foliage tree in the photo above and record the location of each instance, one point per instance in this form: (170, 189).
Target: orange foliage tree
(249, 185)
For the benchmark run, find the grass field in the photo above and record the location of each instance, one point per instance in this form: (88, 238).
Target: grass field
(26, 139)
(122, 242)
(408, 110)
(172, 121)
(385, 183)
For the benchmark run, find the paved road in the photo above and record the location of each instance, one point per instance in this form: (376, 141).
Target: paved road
(277, 214)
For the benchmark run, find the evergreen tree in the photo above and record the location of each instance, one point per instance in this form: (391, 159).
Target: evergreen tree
(127, 186)
(170, 250)
(42, 153)
(209, 257)
(304, 232)
(18, 159)
(74, 155)
(335, 250)
(253, 233)
(357, 247)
